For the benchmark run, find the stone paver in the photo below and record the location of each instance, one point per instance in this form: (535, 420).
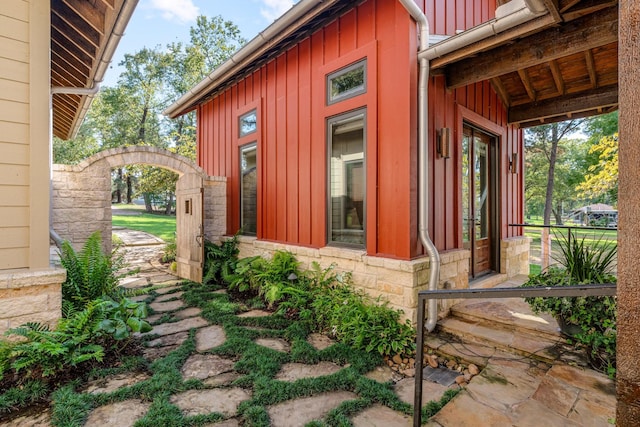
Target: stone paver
(210, 337)
(202, 402)
(291, 372)
(166, 289)
(255, 313)
(276, 344)
(298, 412)
(226, 423)
(121, 414)
(319, 341)
(381, 416)
(173, 340)
(161, 307)
(464, 411)
(36, 420)
(405, 389)
(187, 312)
(203, 366)
(222, 379)
(109, 384)
(383, 374)
(180, 326)
(168, 297)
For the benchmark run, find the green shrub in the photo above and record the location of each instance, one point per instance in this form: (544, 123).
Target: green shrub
(594, 318)
(326, 300)
(169, 254)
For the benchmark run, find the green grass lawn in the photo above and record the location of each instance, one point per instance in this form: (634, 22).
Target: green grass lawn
(162, 226)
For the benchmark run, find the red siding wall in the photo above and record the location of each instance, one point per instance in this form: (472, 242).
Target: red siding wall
(289, 96)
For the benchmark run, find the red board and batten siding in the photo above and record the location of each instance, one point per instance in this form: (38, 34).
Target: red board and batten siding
(288, 94)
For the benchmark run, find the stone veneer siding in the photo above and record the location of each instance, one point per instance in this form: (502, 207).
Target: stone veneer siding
(514, 256)
(30, 296)
(398, 281)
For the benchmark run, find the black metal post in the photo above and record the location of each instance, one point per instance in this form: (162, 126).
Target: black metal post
(417, 396)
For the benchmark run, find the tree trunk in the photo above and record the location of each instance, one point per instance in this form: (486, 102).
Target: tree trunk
(147, 203)
(118, 186)
(167, 210)
(129, 189)
(551, 175)
(143, 120)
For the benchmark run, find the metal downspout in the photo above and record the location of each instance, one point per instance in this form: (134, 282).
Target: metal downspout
(423, 161)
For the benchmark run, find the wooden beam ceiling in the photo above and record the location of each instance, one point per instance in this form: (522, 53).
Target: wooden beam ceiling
(579, 102)
(582, 34)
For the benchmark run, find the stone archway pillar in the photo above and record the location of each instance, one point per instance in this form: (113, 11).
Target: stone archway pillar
(628, 343)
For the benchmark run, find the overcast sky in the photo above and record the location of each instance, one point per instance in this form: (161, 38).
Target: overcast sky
(159, 22)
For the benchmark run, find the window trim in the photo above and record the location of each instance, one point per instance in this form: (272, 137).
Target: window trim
(342, 71)
(241, 134)
(242, 149)
(329, 141)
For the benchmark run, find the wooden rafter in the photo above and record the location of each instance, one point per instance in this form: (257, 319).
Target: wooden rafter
(89, 13)
(501, 91)
(77, 22)
(67, 34)
(59, 42)
(565, 5)
(552, 7)
(526, 81)
(109, 3)
(591, 67)
(584, 33)
(588, 7)
(576, 102)
(557, 76)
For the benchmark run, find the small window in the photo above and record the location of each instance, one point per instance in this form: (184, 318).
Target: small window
(187, 206)
(248, 123)
(347, 82)
(248, 189)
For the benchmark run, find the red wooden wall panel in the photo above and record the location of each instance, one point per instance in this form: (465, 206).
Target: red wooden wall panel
(289, 93)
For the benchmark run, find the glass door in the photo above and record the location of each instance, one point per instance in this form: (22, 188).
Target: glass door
(477, 197)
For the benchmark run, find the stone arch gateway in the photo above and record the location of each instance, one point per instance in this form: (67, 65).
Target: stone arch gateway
(81, 201)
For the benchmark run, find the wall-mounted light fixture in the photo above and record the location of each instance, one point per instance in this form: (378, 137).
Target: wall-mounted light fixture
(444, 142)
(513, 163)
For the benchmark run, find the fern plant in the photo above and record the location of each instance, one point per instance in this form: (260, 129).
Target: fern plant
(49, 351)
(91, 274)
(219, 259)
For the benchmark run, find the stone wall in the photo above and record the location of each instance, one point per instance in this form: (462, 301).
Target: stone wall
(30, 296)
(81, 203)
(397, 281)
(514, 256)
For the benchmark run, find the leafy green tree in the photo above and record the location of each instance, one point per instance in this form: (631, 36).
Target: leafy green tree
(602, 180)
(544, 141)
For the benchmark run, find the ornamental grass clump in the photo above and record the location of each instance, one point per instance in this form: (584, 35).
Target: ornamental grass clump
(589, 321)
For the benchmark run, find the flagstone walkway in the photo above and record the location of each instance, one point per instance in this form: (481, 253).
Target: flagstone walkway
(510, 390)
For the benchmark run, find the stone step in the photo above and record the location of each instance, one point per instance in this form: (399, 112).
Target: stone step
(511, 314)
(517, 342)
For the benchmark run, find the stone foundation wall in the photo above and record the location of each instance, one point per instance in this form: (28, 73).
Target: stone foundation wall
(514, 256)
(30, 296)
(398, 281)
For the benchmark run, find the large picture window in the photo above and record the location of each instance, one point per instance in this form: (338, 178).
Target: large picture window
(249, 189)
(347, 189)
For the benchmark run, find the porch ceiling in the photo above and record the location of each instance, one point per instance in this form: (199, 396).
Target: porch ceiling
(80, 32)
(560, 66)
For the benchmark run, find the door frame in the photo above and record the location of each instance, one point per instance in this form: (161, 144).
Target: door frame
(492, 202)
(465, 116)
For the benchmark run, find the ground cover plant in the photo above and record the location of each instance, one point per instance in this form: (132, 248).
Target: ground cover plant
(256, 366)
(593, 318)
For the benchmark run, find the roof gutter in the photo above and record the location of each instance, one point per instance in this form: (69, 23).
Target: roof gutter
(509, 15)
(105, 59)
(261, 40)
(423, 160)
